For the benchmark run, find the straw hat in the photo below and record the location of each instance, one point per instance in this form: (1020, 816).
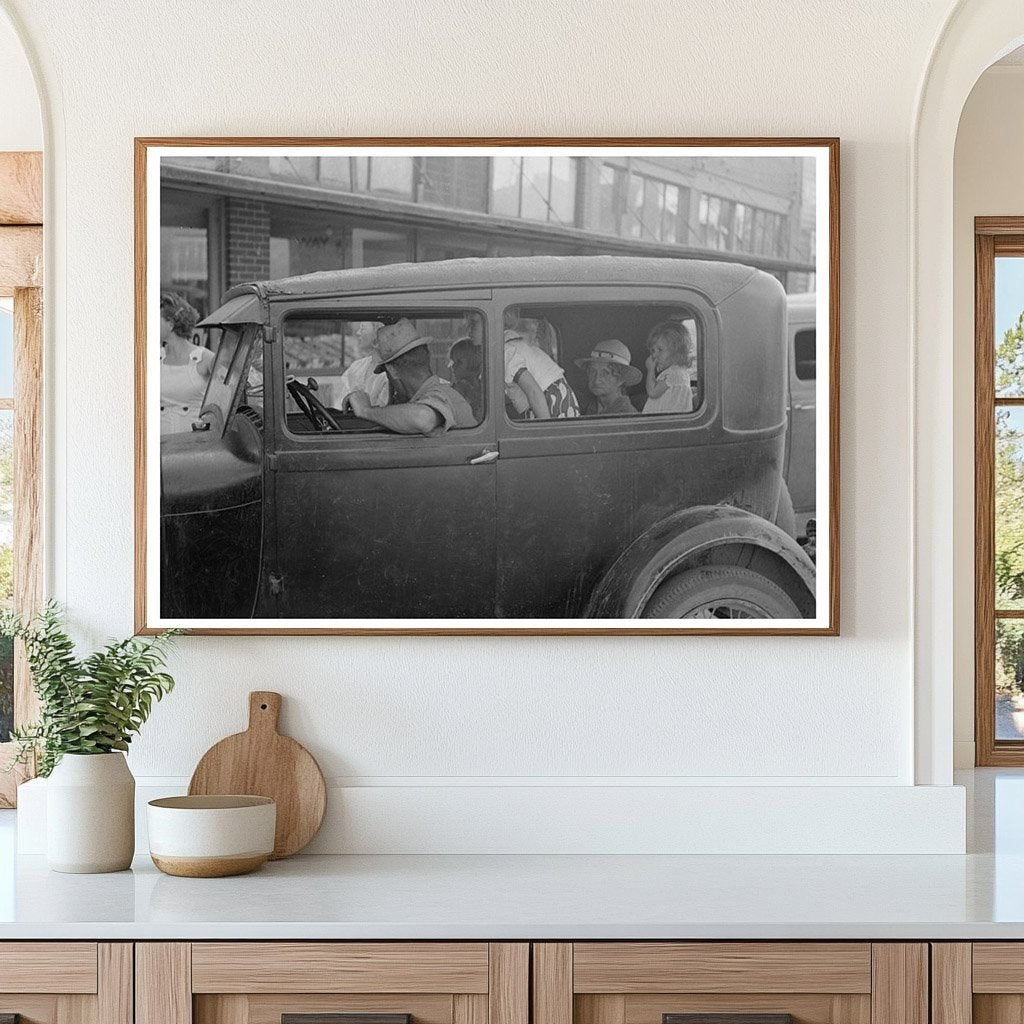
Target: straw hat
(394, 340)
(615, 352)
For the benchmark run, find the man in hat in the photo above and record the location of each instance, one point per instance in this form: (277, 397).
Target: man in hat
(422, 403)
(609, 373)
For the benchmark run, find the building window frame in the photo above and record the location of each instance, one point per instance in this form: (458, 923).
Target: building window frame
(994, 237)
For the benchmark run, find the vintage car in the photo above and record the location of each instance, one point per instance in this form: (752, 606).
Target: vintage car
(800, 440)
(280, 505)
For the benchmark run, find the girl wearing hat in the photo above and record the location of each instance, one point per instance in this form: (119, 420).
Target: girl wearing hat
(185, 368)
(609, 373)
(536, 375)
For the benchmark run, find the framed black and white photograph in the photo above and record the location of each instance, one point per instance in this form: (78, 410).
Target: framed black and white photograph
(487, 385)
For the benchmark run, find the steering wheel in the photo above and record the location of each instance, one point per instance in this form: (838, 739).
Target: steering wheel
(319, 416)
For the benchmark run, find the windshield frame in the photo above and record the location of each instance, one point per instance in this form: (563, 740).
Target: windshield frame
(230, 372)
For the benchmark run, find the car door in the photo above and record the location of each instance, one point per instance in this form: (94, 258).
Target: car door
(800, 474)
(574, 493)
(375, 525)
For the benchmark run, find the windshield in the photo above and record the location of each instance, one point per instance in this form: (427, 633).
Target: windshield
(232, 347)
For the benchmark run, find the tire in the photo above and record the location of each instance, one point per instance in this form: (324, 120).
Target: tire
(720, 592)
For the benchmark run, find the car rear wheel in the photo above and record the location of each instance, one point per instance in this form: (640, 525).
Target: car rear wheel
(720, 592)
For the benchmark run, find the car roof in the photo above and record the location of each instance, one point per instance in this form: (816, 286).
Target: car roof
(715, 279)
(802, 301)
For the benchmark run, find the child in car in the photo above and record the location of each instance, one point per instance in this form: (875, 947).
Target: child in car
(668, 373)
(532, 373)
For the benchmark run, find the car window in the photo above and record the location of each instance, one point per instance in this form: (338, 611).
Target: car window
(234, 349)
(329, 355)
(591, 360)
(804, 354)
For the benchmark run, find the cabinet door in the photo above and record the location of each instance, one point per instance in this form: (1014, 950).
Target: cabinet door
(978, 983)
(66, 982)
(332, 983)
(730, 983)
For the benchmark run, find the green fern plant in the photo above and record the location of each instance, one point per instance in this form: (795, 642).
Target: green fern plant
(90, 705)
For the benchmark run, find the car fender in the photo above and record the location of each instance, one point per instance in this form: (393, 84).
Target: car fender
(659, 552)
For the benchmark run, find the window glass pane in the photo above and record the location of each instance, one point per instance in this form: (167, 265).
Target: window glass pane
(337, 353)
(376, 248)
(536, 187)
(634, 207)
(183, 264)
(6, 568)
(670, 222)
(1009, 708)
(6, 354)
(654, 202)
(336, 171)
(505, 185)
(563, 190)
(805, 354)
(391, 175)
(304, 241)
(1009, 327)
(294, 168)
(590, 360)
(458, 182)
(609, 186)
(1009, 510)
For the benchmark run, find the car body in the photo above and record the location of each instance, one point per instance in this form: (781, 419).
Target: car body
(264, 516)
(801, 438)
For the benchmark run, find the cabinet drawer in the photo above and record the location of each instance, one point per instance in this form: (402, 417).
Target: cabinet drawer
(340, 967)
(751, 967)
(730, 983)
(57, 967)
(332, 983)
(66, 982)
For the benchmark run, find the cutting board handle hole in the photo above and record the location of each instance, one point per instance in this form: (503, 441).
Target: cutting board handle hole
(263, 707)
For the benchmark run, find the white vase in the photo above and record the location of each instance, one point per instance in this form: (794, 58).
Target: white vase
(90, 814)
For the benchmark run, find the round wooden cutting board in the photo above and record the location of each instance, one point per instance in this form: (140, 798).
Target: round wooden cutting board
(262, 762)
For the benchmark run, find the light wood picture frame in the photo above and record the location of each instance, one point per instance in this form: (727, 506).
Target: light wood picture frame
(585, 517)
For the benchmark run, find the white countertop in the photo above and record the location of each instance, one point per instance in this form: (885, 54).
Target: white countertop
(977, 896)
(496, 897)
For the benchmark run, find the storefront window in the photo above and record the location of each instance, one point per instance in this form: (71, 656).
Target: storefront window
(373, 248)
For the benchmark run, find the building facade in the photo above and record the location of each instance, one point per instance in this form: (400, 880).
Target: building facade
(226, 220)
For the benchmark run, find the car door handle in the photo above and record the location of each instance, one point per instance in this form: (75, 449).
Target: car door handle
(488, 455)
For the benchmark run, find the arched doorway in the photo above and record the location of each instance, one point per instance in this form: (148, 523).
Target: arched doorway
(976, 34)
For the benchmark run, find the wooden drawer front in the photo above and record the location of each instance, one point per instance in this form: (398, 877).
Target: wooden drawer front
(55, 967)
(998, 967)
(725, 967)
(310, 967)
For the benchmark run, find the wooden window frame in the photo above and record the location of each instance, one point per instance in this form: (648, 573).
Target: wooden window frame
(21, 278)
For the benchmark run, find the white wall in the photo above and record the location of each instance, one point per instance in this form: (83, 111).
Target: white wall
(987, 181)
(21, 126)
(457, 712)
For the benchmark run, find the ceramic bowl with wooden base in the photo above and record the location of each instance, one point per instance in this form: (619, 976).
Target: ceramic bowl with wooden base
(211, 836)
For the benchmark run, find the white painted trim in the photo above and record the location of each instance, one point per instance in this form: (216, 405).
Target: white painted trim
(561, 819)
(972, 38)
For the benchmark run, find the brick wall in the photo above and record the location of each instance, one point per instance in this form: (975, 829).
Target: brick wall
(248, 241)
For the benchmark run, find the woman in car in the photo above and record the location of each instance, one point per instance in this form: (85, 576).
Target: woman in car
(609, 374)
(185, 367)
(533, 374)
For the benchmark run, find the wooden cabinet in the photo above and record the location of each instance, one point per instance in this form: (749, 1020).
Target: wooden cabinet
(66, 982)
(306, 982)
(512, 983)
(978, 983)
(748, 982)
